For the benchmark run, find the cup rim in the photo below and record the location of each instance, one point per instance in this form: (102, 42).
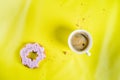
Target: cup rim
(87, 48)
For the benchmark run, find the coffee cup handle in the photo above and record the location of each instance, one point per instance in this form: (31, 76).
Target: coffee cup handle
(88, 53)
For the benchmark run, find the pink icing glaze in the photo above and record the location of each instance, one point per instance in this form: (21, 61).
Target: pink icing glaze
(30, 47)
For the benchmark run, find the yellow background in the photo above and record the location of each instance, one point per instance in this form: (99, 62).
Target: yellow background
(49, 22)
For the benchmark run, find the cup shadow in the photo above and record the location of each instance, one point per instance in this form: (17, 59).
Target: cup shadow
(61, 34)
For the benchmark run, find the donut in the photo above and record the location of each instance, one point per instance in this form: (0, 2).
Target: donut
(32, 48)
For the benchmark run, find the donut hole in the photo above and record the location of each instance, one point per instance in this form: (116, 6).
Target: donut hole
(32, 55)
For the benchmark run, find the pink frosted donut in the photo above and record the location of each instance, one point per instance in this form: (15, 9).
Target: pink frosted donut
(32, 47)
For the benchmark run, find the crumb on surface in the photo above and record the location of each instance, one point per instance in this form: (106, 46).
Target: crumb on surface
(64, 52)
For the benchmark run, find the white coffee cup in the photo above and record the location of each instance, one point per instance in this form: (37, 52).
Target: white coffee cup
(80, 41)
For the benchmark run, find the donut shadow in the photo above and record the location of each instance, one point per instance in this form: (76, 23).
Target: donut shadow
(17, 55)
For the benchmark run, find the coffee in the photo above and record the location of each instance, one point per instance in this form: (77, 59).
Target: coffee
(79, 41)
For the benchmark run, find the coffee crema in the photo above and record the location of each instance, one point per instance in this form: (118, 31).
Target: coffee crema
(80, 41)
